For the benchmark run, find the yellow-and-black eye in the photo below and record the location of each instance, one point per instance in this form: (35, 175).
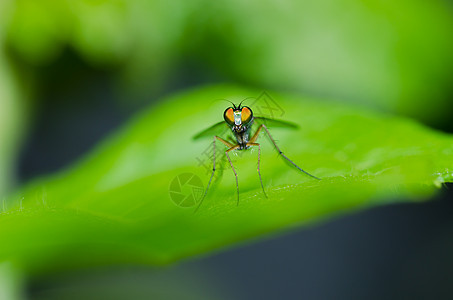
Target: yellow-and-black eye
(228, 115)
(246, 114)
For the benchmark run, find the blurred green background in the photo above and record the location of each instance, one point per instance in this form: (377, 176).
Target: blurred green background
(395, 57)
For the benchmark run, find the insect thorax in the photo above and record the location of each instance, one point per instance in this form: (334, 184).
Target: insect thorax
(242, 134)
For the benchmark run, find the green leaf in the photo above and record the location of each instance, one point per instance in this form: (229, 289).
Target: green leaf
(114, 205)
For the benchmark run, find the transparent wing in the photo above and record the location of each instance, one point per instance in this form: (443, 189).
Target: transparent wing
(216, 129)
(274, 123)
(222, 128)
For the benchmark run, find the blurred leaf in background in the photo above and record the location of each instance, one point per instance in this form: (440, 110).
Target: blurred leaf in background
(12, 111)
(396, 56)
(140, 36)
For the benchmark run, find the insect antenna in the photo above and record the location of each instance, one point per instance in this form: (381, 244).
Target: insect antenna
(239, 106)
(221, 99)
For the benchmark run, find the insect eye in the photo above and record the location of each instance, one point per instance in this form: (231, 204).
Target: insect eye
(228, 115)
(246, 115)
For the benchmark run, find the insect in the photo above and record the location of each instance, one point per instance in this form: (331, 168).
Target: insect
(242, 123)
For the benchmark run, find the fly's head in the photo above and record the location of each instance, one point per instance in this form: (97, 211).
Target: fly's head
(239, 118)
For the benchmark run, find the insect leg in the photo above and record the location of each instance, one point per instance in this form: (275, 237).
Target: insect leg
(255, 137)
(229, 145)
(259, 158)
(234, 171)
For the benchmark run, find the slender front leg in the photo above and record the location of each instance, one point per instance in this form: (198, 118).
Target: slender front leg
(259, 159)
(255, 137)
(229, 145)
(234, 171)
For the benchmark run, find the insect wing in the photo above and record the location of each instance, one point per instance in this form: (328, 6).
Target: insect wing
(216, 129)
(271, 123)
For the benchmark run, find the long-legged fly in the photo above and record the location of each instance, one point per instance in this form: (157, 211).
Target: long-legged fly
(241, 121)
